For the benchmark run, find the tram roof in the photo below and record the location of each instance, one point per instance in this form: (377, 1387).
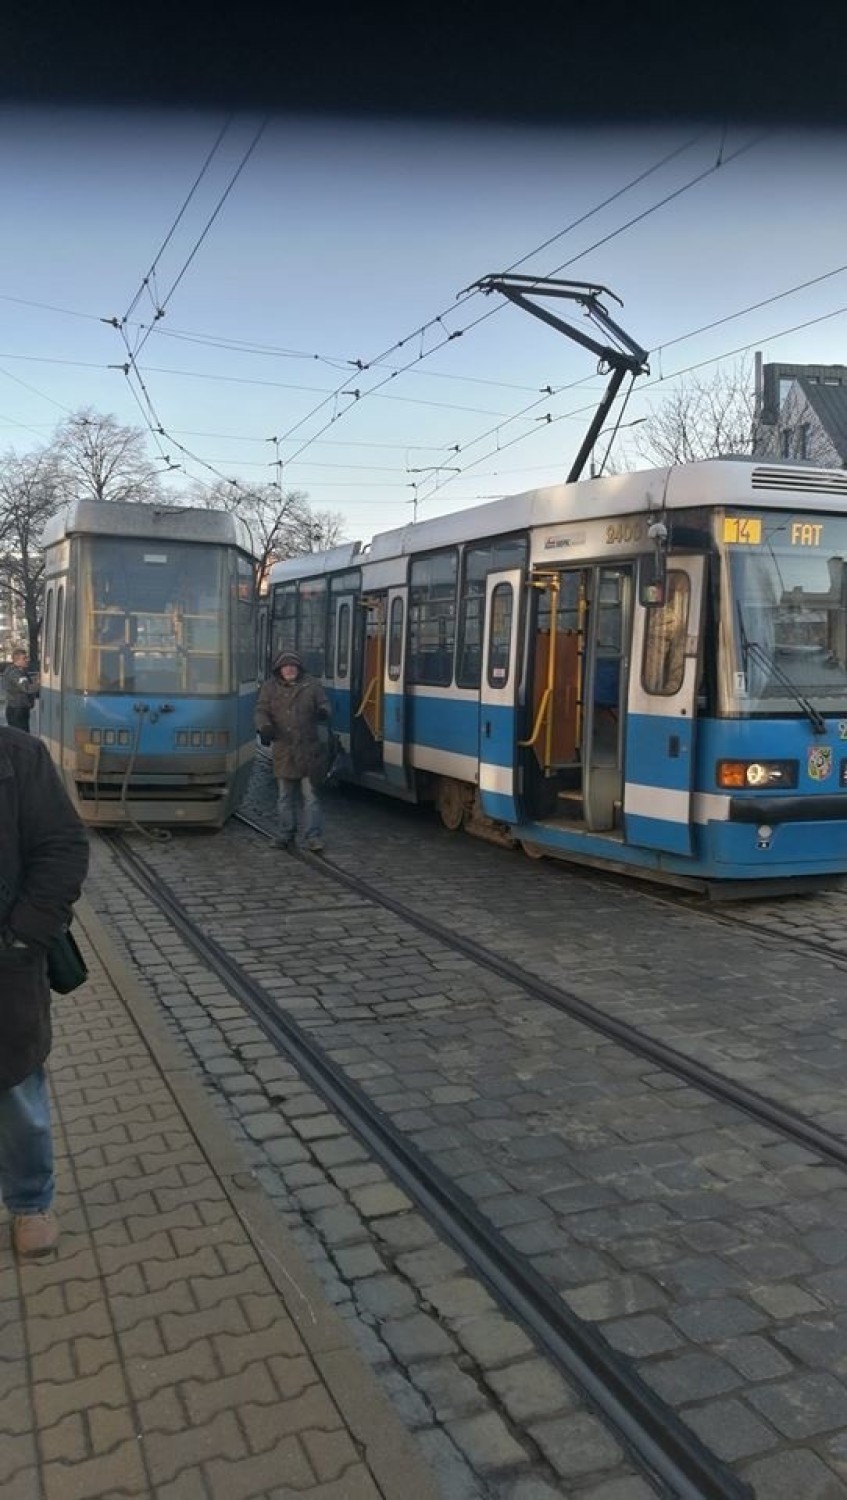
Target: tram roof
(741, 481)
(165, 522)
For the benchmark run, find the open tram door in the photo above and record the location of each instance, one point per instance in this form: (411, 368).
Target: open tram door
(579, 666)
(369, 712)
(498, 697)
(667, 660)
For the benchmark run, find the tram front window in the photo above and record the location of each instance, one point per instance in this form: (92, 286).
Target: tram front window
(789, 613)
(152, 617)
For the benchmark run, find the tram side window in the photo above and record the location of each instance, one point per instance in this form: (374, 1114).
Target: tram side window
(395, 640)
(311, 627)
(57, 639)
(663, 665)
(343, 663)
(48, 626)
(261, 640)
(245, 621)
(478, 562)
(339, 583)
(500, 635)
(432, 618)
(284, 619)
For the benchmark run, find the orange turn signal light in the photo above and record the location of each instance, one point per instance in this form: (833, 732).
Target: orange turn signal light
(732, 773)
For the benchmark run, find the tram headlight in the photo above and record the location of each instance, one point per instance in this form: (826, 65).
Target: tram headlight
(737, 774)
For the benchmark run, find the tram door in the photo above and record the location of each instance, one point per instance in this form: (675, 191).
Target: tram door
(342, 667)
(394, 703)
(607, 669)
(666, 652)
(498, 697)
(369, 712)
(573, 767)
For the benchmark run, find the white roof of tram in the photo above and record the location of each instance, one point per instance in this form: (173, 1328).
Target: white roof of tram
(733, 482)
(147, 522)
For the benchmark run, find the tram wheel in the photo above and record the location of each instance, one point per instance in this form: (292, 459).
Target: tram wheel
(451, 801)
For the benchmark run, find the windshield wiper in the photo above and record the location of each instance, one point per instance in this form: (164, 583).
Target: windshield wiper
(765, 659)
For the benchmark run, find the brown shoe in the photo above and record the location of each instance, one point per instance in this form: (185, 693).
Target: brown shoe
(34, 1235)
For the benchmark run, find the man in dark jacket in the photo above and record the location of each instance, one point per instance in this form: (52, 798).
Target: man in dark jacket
(43, 862)
(289, 709)
(20, 694)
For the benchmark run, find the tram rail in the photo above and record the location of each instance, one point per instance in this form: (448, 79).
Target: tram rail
(789, 1122)
(664, 1447)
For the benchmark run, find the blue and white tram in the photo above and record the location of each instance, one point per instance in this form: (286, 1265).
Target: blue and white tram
(148, 661)
(646, 672)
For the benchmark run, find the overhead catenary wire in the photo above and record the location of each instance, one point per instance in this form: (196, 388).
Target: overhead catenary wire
(721, 160)
(146, 280)
(210, 221)
(438, 320)
(451, 335)
(357, 393)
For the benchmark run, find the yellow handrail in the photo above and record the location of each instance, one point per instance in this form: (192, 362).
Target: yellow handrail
(375, 688)
(544, 716)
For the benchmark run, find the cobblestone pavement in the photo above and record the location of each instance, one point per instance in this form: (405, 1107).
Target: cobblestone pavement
(490, 1417)
(177, 1346)
(708, 1249)
(767, 1013)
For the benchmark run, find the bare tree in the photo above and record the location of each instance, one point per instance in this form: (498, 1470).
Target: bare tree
(701, 418)
(281, 523)
(97, 458)
(28, 497)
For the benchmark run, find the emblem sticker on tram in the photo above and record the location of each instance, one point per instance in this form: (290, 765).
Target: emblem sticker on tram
(842, 729)
(819, 762)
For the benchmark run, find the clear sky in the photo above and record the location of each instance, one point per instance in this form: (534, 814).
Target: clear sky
(339, 239)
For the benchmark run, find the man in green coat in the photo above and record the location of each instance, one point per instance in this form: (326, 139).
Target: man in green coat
(290, 707)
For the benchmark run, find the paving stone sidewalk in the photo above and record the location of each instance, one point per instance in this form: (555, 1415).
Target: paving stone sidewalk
(178, 1346)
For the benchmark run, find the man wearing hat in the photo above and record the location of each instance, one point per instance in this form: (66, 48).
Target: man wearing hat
(290, 706)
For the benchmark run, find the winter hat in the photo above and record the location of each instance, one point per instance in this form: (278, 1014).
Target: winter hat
(288, 658)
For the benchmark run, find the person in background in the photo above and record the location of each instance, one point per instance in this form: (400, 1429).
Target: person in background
(290, 707)
(43, 863)
(20, 691)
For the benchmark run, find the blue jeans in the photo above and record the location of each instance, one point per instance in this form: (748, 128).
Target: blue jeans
(26, 1146)
(290, 794)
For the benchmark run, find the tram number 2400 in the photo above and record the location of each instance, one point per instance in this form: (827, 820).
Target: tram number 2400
(625, 531)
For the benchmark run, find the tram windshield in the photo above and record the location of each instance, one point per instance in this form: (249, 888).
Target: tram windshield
(789, 611)
(151, 617)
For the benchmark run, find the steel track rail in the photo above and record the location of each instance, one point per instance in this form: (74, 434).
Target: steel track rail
(661, 1444)
(758, 1107)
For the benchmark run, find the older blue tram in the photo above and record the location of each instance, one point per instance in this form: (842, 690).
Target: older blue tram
(148, 661)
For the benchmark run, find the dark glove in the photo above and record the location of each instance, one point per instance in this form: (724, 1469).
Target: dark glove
(266, 736)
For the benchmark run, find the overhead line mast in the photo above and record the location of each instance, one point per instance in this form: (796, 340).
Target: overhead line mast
(630, 359)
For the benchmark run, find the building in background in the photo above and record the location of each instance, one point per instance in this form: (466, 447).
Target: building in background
(12, 624)
(801, 413)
